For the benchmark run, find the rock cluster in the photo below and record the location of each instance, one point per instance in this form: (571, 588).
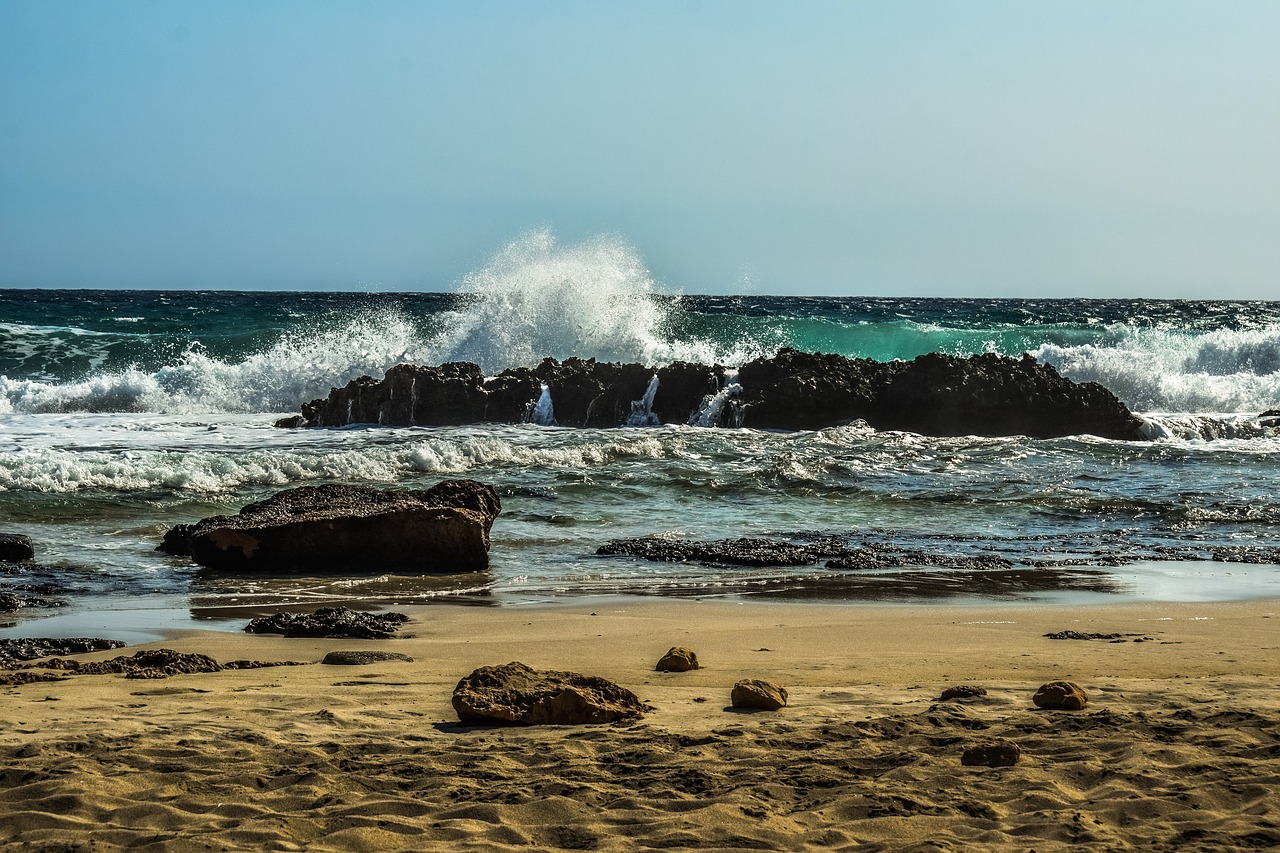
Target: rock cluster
(933, 394)
(330, 623)
(343, 528)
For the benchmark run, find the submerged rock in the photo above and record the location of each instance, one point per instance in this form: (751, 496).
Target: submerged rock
(330, 623)
(348, 528)
(738, 552)
(515, 694)
(15, 548)
(934, 394)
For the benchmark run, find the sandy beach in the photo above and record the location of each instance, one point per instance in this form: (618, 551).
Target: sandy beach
(1176, 750)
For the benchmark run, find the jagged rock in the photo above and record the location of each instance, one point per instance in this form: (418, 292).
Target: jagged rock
(348, 528)
(1060, 696)
(18, 650)
(678, 659)
(753, 693)
(962, 691)
(934, 394)
(15, 548)
(1004, 753)
(330, 623)
(738, 552)
(361, 658)
(515, 694)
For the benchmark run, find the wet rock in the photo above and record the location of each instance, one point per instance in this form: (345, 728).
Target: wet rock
(330, 623)
(10, 601)
(885, 557)
(738, 552)
(934, 394)
(1003, 753)
(348, 528)
(962, 691)
(753, 693)
(1060, 696)
(515, 694)
(21, 649)
(15, 548)
(678, 659)
(361, 658)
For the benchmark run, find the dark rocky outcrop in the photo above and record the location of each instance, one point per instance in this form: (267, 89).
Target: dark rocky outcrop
(752, 693)
(21, 649)
(153, 663)
(933, 394)
(1060, 696)
(515, 694)
(15, 548)
(345, 528)
(736, 552)
(330, 623)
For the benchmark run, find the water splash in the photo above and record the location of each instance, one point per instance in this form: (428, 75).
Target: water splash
(543, 412)
(536, 298)
(642, 410)
(711, 411)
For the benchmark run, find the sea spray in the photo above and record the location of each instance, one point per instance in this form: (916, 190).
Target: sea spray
(642, 410)
(542, 412)
(711, 412)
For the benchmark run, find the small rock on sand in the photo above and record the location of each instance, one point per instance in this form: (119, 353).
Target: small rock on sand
(962, 691)
(516, 694)
(1003, 753)
(753, 693)
(678, 659)
(1060, 696)
(360, 658)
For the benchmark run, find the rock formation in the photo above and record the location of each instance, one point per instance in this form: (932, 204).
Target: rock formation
(1060, 696)
(15, 548)
(755, 694)
(933, 394)
(678, 659)
(330, 623)
(515, 694)
(336, 527)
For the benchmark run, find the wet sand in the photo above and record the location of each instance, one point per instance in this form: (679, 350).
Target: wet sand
(1179, 747)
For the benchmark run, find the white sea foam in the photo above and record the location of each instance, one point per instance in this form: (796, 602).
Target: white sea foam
(1176, 371)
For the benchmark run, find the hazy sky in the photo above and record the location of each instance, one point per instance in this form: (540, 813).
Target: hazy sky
(918, 148)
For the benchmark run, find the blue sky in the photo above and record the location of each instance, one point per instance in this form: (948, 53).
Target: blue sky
(916, 148)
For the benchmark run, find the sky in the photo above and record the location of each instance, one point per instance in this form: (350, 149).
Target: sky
(1044, 149)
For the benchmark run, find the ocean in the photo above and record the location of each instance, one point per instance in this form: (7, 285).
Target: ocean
(124, 412)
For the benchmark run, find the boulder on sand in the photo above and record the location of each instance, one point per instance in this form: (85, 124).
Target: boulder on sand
(753, 693)
(1061, 696)
(515, 694)
(678, 659)
(344, 528)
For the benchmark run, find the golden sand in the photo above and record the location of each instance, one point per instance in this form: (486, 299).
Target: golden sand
(1179, 747)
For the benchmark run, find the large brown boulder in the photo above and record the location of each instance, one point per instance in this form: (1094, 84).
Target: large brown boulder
(753, 693)
(515, 694)
(349, 528)
(1061, 696)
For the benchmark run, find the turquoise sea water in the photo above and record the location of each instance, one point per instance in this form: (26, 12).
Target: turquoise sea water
(123, 412)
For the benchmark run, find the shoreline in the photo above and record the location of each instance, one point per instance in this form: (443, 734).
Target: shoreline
(1182, 728)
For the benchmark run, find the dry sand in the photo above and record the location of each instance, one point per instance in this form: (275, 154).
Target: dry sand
(1179, 748)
